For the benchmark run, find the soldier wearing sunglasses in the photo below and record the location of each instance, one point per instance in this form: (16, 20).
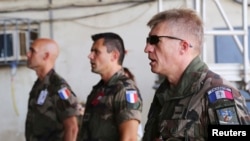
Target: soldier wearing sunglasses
(191, 97)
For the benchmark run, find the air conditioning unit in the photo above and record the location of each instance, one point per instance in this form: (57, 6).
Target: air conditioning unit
(15, 44)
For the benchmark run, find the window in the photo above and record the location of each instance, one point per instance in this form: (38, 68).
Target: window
(15, 44)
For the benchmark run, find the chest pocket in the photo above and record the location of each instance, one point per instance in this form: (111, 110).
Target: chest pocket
(101, 128)
(188, 118)
(179, 129)
(45, 121)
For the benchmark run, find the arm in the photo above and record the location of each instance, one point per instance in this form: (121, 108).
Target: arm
(128, 130)
(70, 129)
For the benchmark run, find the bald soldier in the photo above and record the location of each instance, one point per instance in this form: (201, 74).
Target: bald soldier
(52, 105)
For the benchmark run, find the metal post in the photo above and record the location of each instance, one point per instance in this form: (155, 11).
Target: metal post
(245, 41)
(159, 5)
(51, 19)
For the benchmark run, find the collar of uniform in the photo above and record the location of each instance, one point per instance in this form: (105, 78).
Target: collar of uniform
(47, 77)
(113, 79)
(43, 84)
(191, 76)
(187, 84)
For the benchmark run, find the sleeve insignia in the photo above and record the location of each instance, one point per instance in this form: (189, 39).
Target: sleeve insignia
(64, 93)
(131, 96)
(219, 93)
(227, 116)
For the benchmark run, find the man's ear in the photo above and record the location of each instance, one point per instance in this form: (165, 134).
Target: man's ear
(46, 55)
(115, 55)
(185, 45)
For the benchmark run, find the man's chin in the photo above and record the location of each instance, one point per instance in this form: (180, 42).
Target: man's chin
(28, 66)
(94, 71)
(31, 67)
(153, 70)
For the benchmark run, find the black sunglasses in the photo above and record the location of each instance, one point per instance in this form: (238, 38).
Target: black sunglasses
(154, 39)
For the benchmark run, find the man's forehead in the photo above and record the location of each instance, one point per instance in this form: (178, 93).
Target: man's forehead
(98, 45)
(36, 45)
(99, 41)
(161, 28)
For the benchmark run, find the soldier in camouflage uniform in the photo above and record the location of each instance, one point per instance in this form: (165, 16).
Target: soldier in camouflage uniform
(114, 106)
(52, 105)
(191, 97)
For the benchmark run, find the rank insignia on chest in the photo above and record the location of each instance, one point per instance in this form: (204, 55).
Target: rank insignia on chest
(131, 96)
(219, 93)
(42, 97)
(64, 93)
(97, 99)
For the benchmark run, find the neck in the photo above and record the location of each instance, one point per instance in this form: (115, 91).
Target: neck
(43, 72)
(109, 73)
(177, 73)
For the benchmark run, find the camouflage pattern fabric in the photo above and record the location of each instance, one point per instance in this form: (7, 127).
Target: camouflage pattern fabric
(50, 102)
(108, 105)
(185, 111)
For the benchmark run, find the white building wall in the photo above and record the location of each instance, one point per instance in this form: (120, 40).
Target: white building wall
(73, 36)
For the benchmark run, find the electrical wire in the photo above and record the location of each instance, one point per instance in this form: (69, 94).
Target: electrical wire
(113, 26)
(135, 4)
(96, 14)
(72, 5)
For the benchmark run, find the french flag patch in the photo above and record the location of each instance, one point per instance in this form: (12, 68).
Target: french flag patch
(64, 93)
(131, 96)
(219, 93)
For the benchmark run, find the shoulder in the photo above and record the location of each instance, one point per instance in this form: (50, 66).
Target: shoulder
(126, 83)
(124, 86)
(220, 91)
(128, 87)
(59, 84)
(57, 79)
(216, 84)
(219, 88)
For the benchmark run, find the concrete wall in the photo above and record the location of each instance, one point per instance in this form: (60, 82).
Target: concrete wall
(73, 36)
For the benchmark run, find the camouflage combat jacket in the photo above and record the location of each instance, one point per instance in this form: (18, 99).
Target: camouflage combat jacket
(185, 111)
(108, 105)
(50, 102)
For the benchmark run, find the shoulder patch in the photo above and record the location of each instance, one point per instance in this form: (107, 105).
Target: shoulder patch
(131, 96)
(219, 93)
(227, 116)
(64, 93)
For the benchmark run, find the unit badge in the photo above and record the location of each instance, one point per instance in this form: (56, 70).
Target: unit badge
(227, 116)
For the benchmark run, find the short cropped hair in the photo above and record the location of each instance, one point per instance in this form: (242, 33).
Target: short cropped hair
(113, 42)
(182, 20)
